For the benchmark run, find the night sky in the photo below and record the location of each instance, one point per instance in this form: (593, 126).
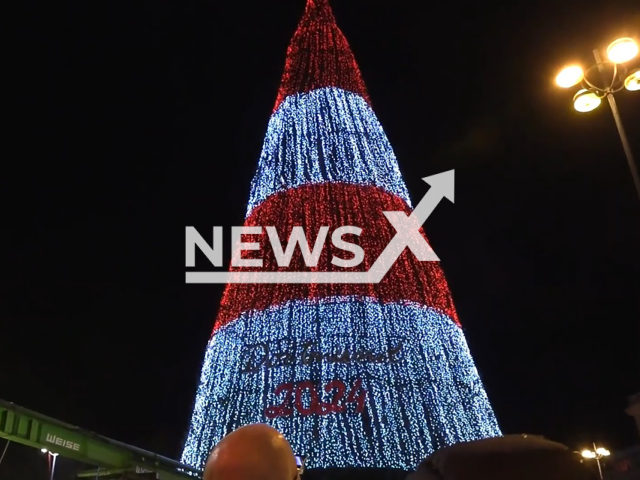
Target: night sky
(129, 121)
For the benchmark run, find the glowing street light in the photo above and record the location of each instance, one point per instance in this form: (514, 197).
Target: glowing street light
(632, 83)
(585, 101)
(622, 50)
(597, 453)
(590, 95)
(570, 76)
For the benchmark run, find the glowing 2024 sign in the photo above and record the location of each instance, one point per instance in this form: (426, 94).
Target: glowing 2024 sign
(306, 397)
(294, 397)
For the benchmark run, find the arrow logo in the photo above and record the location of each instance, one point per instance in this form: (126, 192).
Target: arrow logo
(407, 236)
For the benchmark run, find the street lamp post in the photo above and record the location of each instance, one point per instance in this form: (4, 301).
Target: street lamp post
(53, 464)
(597, 453)
(620, 52)
(52, 461)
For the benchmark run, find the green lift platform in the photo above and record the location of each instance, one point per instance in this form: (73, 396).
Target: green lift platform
(111, 459)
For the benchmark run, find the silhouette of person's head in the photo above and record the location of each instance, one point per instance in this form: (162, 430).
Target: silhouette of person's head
(252, 452)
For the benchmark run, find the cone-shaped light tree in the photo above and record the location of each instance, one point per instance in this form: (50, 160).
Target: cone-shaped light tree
(354, 375)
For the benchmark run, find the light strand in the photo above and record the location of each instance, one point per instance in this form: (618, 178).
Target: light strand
(327, 135)
(319, 56)
(334, 205)
(424, 395)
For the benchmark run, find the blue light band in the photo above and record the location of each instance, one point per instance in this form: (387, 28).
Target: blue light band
(421, 397)
(326, 135)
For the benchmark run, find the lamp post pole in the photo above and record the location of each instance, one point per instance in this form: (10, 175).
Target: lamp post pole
(52, 464)
(621, 132)
(596, 454)
(598, 462)
(4, 452)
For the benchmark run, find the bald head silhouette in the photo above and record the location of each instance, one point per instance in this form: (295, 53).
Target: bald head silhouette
(250, 453)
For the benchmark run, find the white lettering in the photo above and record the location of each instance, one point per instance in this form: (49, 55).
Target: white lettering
(297, 237)
(193, 239)
(358, 252)
(62, 442)
(238, 247)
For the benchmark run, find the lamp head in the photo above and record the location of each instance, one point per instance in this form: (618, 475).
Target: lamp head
(569, 76)
(588, 454)
(622, 50)
(586, 101)
(632, 83)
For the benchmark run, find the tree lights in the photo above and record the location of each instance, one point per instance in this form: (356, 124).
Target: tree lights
(327, 135)
(354, 375)
(334, 204)
(319, 56)
(337, 404)
(423, 390)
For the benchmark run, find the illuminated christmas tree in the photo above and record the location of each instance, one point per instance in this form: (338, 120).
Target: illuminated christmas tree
(354, 375)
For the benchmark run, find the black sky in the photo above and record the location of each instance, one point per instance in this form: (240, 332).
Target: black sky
(130, 120)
